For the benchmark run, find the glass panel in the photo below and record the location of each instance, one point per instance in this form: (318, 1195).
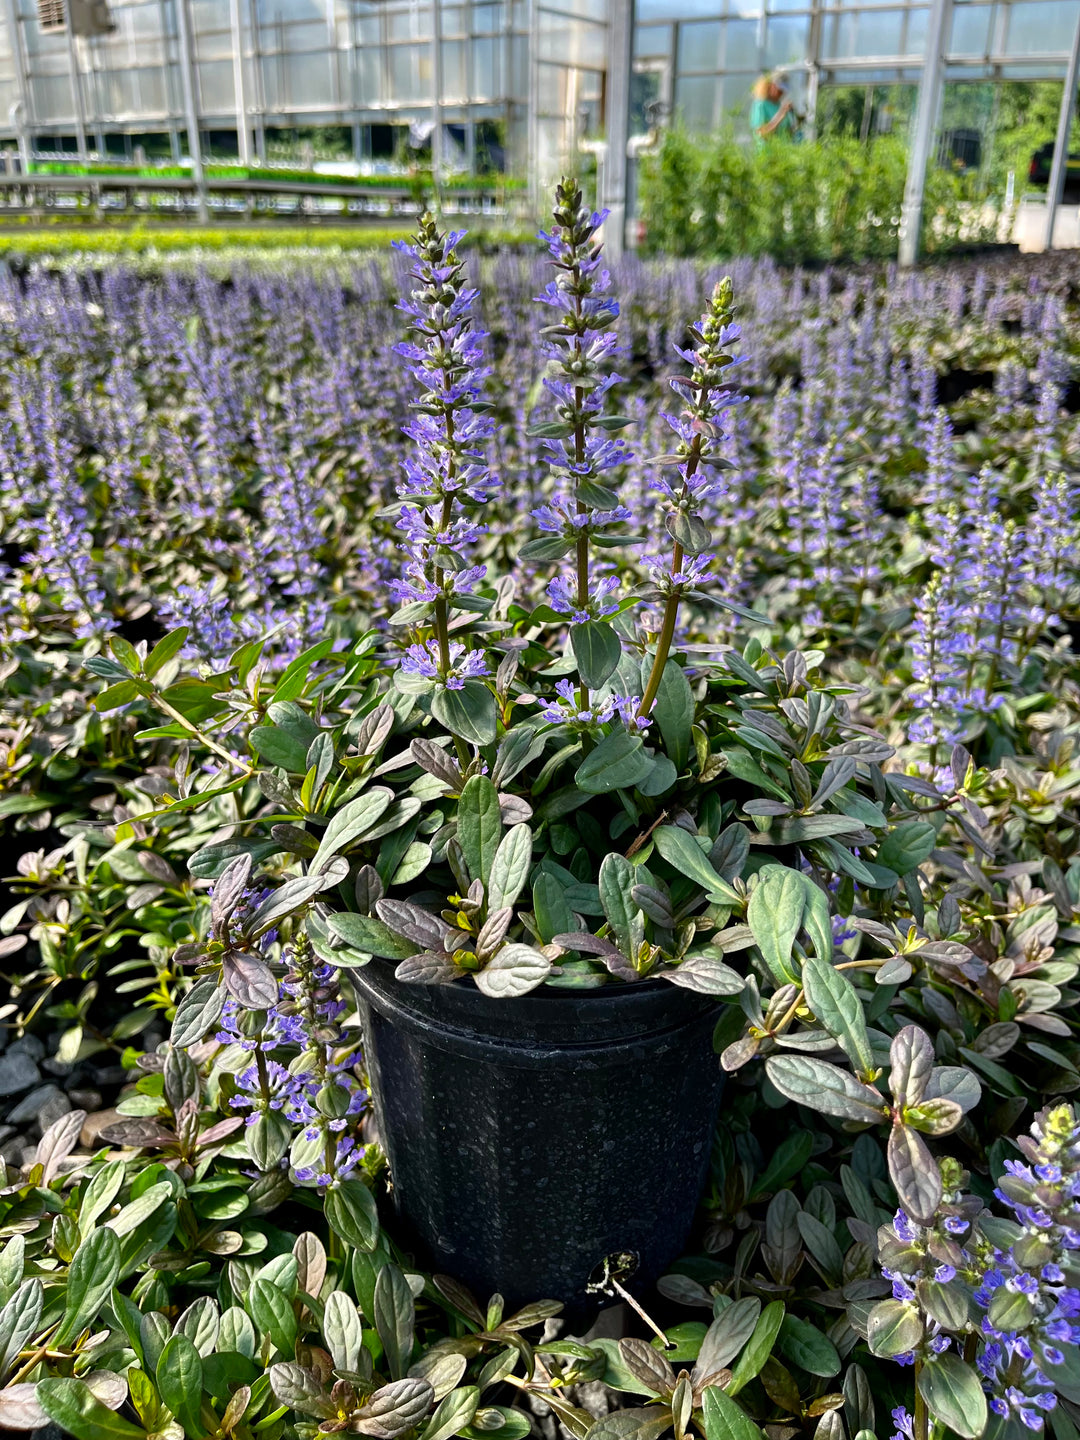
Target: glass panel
(971, 29)
(695, 101)
(879, 32)
(1039, 27)
(411, 24)
(487, 19)
(745, 7)
(367, 31)
(487, 69)
(786, 39)
(211, 45)
(652, 40)
(780, 5)
(453, 68)
(209, 15)
(405, 73)
(304, 38)
(308, 79)
(699, 46)
(551, 89)
(741, 50)
(215, 83)
(453, 20)
(839, 38)
(679, 9)
(369, 77)
(571, 42)
(917, 22)
(735, 100)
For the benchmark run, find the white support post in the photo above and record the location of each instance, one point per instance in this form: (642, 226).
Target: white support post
(19, 111)
(1061, 142)
(77, 99)
(243, 129)
(926, 115)
(619, 58)
(437, 101)
(191, 118)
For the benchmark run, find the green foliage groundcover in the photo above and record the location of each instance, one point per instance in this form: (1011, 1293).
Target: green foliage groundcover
(835, 199)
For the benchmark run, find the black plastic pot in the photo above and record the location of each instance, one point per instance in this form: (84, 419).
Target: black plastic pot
(530, 1138)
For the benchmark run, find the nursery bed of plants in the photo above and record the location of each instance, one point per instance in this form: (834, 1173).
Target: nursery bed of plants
(385, 631)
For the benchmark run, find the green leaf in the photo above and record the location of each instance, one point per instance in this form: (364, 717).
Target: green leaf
(393, 1316)
(723, 1419)
(365, 933)
(758, 1347)
(180, 1382)
(468, 712)
(198, 1010)
(452, 1414)
(683, 852)
(116, 695)
(342, 1330)
(788, 1160)
(954, 1395)
(550, 907)
(620, 908)
(816, 919)
(893, 1327)
(597, 649)
(19, 1320)
(74, 1408)
(350, 822)
(98, 1196)
(515, 970)
(804, 1345)
(673, 712)
(617, 763)
(208, 862)
(907, 846)
(775, 916)
(812, 827)
(835, 1002)
(825, 1087)
(92, 1274)
(273, 1314)
(279, 747)
(510, 867)
(351, 1214)
(165, 649)
(479, 826)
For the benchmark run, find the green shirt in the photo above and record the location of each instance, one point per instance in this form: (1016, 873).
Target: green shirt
(764, 110)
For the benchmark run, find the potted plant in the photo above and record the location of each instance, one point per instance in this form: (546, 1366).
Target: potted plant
(531, 830)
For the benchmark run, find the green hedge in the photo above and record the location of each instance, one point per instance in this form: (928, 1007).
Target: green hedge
(836, 199)
(422, 179)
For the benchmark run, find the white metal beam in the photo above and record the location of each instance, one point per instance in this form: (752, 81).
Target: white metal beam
(191, 118)
(926, 114)
(619, 59)
(1061, 142)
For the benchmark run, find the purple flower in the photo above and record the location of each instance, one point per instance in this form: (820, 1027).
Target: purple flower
(423, 660)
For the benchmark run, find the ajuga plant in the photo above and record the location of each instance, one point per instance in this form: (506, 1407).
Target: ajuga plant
(520, 779)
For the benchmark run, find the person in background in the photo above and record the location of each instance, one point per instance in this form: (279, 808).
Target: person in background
(771, 112)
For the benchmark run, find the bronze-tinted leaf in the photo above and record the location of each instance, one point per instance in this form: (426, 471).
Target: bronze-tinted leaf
(914, 1172)
(249, 980)
(647, 1365)
(229, 888)
(394, 1408)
